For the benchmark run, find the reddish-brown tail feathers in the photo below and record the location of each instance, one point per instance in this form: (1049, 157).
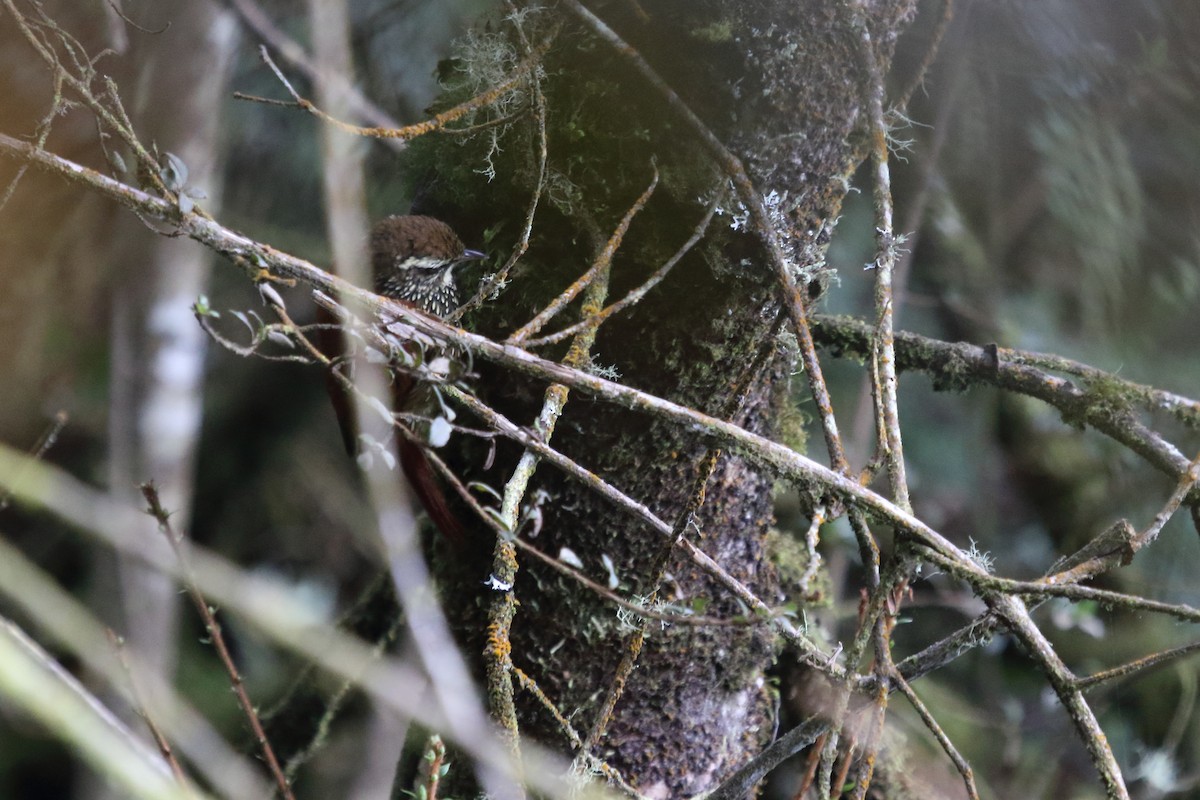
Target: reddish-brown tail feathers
(429, 491)
(416, 466)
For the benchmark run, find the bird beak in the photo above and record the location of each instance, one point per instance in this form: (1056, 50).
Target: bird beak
(472, 255)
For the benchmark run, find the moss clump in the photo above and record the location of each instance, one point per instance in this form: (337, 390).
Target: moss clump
(715, 32)
(955, 373)
(1111, 395)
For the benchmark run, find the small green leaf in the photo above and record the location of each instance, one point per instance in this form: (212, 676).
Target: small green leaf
(202, 308)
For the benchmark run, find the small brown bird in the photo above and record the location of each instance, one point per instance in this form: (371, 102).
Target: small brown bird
(413, 260)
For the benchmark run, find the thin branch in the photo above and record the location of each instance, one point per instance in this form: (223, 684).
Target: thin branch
(39, 450)
(593, 764)
(1184, 409)
(884, 345)
(741, 783)
(884, 374)
(935, 41)
(213, 629)
(41, 133)
(601, 265)
(1110, 548)
(409, 132)
(1016, 618)
(143, 710)
(116, 8)
(1136, 667)
(256, 19)
(993, 583)
(114, 117)
(960, 763)
(960, 365)
(637, 294)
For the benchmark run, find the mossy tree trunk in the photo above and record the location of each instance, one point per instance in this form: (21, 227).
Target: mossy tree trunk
(780, 84)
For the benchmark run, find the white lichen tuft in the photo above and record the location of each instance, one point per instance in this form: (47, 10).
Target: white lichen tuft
(981, 558)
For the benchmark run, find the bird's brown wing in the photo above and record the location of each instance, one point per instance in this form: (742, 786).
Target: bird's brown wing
(417, 469)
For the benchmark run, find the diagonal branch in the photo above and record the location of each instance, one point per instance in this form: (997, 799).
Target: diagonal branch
(779, 459)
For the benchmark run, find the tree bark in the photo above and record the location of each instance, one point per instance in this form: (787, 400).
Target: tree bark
(780, 85)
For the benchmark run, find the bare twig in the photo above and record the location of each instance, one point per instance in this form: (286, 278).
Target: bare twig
(883, 371)
(213, 629)
(111, 115)
(1087, 564)
(601, 265)
(256, 18)
(407, 132)
(885, 262)
(116, 8)
(1071, 591)
(961, 365)
(41, 133)
(935, 41)
(1136, 667)
(1016, 618)
(960, 763)
(593, 764)
(637, 294)
(39, 449)
(742, 782)
(143, 710)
